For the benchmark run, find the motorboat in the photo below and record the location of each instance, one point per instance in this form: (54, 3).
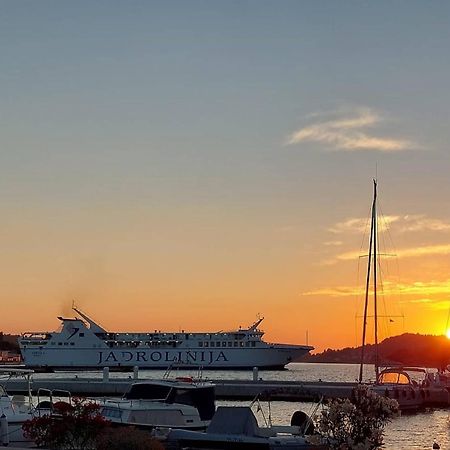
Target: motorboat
(404, 384)
(14, 410)
(236, 428)
(179, 403)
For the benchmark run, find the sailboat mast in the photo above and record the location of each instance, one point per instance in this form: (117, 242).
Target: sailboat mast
(375, 263)
(369, 265)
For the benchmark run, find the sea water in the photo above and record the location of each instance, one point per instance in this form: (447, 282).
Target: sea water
(406, 432)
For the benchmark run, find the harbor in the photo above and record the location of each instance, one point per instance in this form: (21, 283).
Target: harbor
(427, 424)
(225, 225)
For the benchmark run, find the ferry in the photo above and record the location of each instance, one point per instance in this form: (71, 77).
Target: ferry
(80, 343)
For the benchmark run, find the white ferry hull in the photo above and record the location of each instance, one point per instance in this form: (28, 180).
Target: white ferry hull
(83, 344)
(272, 357)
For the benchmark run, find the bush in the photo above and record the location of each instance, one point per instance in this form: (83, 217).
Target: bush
(127, 439)
(356, 423)
(69, 427)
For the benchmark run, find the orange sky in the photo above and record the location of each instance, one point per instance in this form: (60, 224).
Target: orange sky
(188, 165)
(144, 271)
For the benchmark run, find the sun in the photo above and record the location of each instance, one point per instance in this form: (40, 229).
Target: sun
(448, 334)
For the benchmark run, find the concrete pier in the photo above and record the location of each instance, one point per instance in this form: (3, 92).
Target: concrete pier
(225, 389)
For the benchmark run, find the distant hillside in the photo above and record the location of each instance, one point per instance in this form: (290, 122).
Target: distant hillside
(407, 349)
(9, 342)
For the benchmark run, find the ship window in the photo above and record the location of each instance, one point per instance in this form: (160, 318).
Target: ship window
(72, 343)
(247, 344)
(59, 343)
(253, 343)
(81, 334)
(241, 344)
(224, 344)
(235, 344)
(66, 343)
(200, 344)
(230, 344)
(206, 344)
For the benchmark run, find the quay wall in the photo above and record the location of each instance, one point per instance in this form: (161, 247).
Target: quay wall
(225, 389)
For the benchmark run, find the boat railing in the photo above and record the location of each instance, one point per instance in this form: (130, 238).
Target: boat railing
(54, 396)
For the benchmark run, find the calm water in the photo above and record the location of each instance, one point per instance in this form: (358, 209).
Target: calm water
(407, 432)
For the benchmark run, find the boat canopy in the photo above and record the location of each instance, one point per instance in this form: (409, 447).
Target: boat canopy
(201, 397)
(235, 420)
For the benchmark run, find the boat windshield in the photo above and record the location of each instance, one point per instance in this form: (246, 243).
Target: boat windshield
(3, 392)
(394, 378)
(147, 392)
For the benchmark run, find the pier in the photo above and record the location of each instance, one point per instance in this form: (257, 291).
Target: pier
(225, 389)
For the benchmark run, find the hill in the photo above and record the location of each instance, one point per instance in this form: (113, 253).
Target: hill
(406, 349)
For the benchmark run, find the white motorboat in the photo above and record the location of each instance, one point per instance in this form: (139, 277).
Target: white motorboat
(179, 403)
(398, 383)
(81, 344)
(14, 410)
(236, 428)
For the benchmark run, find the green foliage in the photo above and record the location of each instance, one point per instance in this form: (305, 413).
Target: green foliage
(356, 423)
(69, 427)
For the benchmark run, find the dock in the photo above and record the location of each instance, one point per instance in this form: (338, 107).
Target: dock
(225, 389)
(298, 391)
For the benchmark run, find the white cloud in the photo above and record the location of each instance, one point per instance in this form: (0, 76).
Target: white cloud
(344, 133)
(359, 225)
(333, 243)
(419, 288)
(420, 222)
(425, 250)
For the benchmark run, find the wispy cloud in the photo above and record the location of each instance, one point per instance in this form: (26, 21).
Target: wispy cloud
(420, 222)
(344, 132)
(426, 250)
(333, 243)
(359, 225)
(422, 289)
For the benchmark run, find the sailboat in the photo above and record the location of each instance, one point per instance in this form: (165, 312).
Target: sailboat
(393, 382)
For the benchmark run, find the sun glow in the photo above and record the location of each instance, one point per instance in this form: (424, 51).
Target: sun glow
(448, 334)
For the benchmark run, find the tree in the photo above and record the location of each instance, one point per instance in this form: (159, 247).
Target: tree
(356, 423)
(69, 427)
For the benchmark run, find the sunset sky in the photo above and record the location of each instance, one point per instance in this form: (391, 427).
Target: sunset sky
(190, 164)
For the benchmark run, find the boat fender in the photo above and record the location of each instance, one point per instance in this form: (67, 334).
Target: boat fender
(4, 432)
(301, 419)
